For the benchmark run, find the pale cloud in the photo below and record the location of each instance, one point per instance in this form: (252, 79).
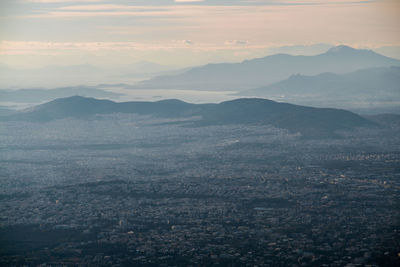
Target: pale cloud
(13, 47)
(216, 2)
(187, 42)
(100, 7)
(236, 42)
(97, 14)
(64, 1)
(307, 2)
(119, 10)
(187, 1)
(355, 23)
(175, 52)
(20, 47)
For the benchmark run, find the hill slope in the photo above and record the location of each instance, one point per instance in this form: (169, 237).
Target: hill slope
(306, 120)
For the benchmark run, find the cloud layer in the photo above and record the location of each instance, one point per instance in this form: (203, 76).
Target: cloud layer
(242, 28)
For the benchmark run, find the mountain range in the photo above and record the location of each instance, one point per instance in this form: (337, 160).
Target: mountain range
(343, 77)
(368, 88)
(311, 122)
(37, 95)
(267, 70)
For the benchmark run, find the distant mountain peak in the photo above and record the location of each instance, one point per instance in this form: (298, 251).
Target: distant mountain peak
(348, 50)
(249, 100)
(172, 102)
(341, 48)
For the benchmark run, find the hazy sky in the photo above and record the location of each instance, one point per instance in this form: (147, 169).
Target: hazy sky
(36, 33)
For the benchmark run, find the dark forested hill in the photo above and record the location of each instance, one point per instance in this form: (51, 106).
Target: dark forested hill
(306, 120)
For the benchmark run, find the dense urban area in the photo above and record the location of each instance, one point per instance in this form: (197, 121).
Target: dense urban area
(122, 190)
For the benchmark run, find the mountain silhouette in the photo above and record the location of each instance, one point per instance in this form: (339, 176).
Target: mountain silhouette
(386, 119)
(373, 87)
(312, 122)
(267, 70)
(307, 120)
(39, 95)
(366, 81)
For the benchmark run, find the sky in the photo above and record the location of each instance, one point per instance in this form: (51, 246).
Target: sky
(37, 33)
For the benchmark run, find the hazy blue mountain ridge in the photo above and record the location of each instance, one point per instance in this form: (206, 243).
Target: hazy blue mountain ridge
(377, 81)
(369, 91)
(267, 70)
(37, 95)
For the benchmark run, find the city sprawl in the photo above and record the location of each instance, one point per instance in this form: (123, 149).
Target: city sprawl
(124, 189)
